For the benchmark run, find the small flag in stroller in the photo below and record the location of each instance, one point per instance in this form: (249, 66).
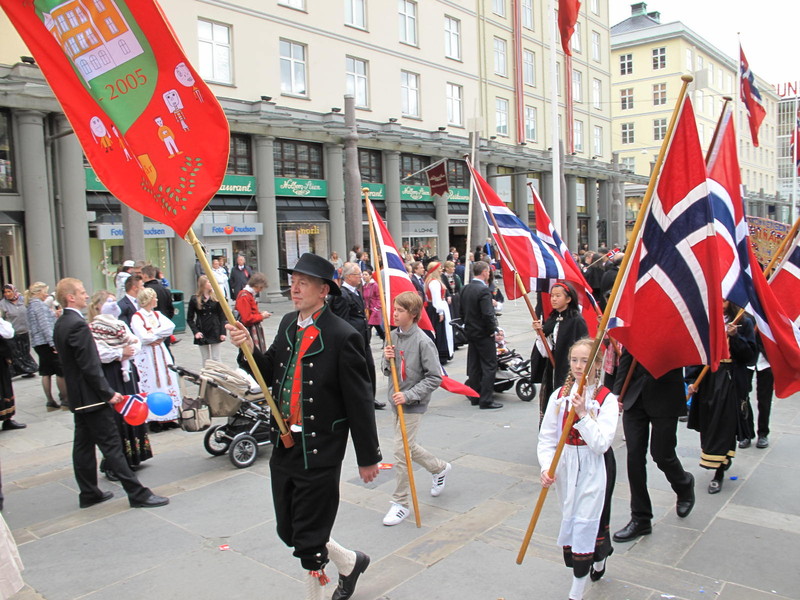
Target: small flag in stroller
(133, 409)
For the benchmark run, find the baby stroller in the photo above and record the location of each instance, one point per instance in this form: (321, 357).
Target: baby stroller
(513, 368)
(229, 393)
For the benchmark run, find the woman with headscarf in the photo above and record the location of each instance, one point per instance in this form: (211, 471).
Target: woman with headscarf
(13, 308)
(7, 404)
(439, 311)
(41, 321)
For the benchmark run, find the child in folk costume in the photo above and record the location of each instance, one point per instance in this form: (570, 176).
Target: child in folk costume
(585, 475)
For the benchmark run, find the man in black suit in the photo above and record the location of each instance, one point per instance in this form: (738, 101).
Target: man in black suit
(90, 399)
(417, 272)
(163, 293)
(128, 304)
(480, 325)
(317, 369)
(240, 274)
(349, 305)
(651, 405)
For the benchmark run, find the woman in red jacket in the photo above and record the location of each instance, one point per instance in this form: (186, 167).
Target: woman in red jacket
(247, 307)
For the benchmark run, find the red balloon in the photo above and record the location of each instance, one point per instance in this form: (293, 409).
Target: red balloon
(137, 415)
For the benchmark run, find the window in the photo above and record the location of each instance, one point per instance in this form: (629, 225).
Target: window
(356, 80)
(457, 173)
(577, 86)
(577, 136)
(370, 164)
(499, 7)
(626, 64)
(597, 94)
(293, 68)
(627, 133)
(7, 181)
(596, 53)
(659, 58)
(527, 13)
(409, 94)
(699, 100)
(659, 129)
(355, 13)
(628, 163)
(626, 98)
(501, 116)
(100, 5)
(689, 59)
(298, 159)
(299, 4)
(499, 56)
(575, 40)
(530, 123)
(410, 164)
(699, 64)
(452, 38)
(112, 26)
(595, 7)
(597, 141)
(659, 94)
(240, 159)
(455, 101)
(407, 12)
(214, 41)
(528, 68)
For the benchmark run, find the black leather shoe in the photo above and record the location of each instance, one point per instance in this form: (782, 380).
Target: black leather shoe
(103, 498)
(685, 502)
(110, 475)
(745, 443)
(347, 583)
(152, 502)
(762, 442)
(715, 486)
(380, 405)
(491, 405)
(634, 529)
(473, 401)
(597, 575)
(12, 424)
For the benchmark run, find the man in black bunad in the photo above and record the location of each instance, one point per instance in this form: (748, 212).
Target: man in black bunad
(651, 410)
(90, 400)
(317, 371)
(480, 324)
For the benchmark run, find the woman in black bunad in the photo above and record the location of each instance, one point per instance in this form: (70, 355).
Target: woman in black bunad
(452, 288)
(717, 401)
(563, 327)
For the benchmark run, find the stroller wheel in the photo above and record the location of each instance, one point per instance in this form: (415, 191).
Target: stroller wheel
(525, 390)
(216, 445)
(244, 450)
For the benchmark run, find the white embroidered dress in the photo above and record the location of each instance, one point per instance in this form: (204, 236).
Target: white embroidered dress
(581, 472)
(151, 327)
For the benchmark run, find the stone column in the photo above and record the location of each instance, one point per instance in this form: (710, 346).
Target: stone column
(72, 190)
(182, 271)
(268, 255)
(547, 192)
(391, 177)
(33, 180)
(442, 225)
(521, 196)
(571, 221)
(591, 210)
(334, 167)
(604, 201)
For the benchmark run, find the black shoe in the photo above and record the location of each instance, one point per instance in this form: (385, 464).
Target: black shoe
(715, 486)
(151, 502)
(473, 401)
(685, 502)
(347, 583)
(683, 419)
(491, 405)
(103, 498)
(633, 530)
(155, 427)
(28, 375)
(110, 475)
(745, 443)
(52, 405)
(380, 405)
(762, 442)
(597, 575)
(12, 424)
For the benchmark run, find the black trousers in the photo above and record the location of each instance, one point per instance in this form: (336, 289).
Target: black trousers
(637, 425)
(481, 367)
(98, 429)
(306, 502)
(764, 389)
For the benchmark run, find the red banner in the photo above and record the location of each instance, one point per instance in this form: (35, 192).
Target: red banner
(152, 130)
(437, 179)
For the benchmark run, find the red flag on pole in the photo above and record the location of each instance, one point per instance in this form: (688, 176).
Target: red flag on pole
(152, 130)
(437, 178)
(567, 17)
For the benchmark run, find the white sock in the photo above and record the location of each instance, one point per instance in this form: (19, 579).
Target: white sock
(343, 558)
(314, 591)
(600, 565)
(578, 585)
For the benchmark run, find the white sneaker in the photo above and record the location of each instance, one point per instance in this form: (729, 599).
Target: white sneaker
(397, 513)
(439, 480)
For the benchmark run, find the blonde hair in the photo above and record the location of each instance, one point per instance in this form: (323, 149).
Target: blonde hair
(145, 296)
(96, 304)
(591, 376)
(34, 290)
(65, 287)
(201, 290)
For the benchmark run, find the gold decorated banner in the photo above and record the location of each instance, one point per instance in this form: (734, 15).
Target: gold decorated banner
(765, 237)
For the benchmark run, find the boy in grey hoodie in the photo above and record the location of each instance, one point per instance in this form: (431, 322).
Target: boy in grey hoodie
(419, 373)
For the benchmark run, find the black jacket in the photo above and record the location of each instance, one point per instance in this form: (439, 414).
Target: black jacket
(206, 318)
(350, 307)
(238, 279)
(164, 296)
(127, 310)
(477, 310)
(662, 397)
(572, 328)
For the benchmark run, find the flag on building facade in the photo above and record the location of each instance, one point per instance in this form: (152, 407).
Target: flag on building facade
(567, 18)
(152, 130)
(668, 311)
(751, 97)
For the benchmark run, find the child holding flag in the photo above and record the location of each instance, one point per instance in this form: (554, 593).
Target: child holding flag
(419, 374)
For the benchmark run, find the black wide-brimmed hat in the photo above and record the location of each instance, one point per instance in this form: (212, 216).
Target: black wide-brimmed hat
(316, 266)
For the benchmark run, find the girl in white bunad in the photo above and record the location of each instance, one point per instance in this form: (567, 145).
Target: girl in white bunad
(585, 475)
(152, 328)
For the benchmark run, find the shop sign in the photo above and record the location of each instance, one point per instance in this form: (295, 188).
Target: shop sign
(232, 229)
(117, 232)
(420, 229)
(302, 188)
(457, 220)
(377, 191)
(415, 192)
(458, 195)
(235, 185)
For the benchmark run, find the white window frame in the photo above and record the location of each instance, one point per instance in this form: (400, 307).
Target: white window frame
(357, 83)
(217, 49)
(626, 99)
(597, 137)
(577, 135)
(659, 129)
(296, 4)
(628, 163)
(409, 94)
(595, 6)
(528, 67)
(577, 86)
(626, 64)
(455, 104)
(293, 62)
(452, 37)
(659, 94)
(407, 24)
(501, 116)
(659, 58)
(499, 7)
(500, 57)
(531, 126)
(576, 41)
(628, 133)
(355, 13)
(527, 14)
(597, 54)
(597, 94)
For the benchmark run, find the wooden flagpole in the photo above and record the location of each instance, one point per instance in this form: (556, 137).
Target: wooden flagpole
(392, 363)
(286, 436)
(601, 329)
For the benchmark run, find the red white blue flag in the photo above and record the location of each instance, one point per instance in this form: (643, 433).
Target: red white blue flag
(668, 311)
(743, 282)
(785, 282)
(751, 97)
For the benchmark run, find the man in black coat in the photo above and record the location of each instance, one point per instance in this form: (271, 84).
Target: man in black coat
(417, 272)
(128, 304)
(318, 373)
(164, 295)
(651, 405)
(90, 400)
(480, 324)
(239, 276)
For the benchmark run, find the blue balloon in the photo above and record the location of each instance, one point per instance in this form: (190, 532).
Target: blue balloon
(159, 403)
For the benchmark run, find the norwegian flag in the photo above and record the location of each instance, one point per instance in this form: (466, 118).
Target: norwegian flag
(785, 282)
(130, 403)
(668, 311)
(743, 282)
(751, 97)
(395, 276)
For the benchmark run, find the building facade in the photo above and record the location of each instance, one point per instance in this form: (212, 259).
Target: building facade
(788, 126)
